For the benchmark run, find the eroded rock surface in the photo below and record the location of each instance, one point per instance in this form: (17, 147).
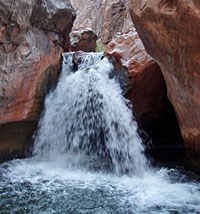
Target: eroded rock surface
(170, 31)
(84, 40)
(147, 87)
(111, 22)
(32, 37)
(105, 18)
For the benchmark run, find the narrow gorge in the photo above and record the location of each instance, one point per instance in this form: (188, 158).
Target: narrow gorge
(99, 106)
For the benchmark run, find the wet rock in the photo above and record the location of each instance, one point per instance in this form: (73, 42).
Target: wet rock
(30, 54)
(146, 89)
(120, 74)
(84, 40)
(14, 139)
(170, 32)
(76, 60)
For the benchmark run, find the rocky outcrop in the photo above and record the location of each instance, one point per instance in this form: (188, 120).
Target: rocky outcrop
(147, 88)
(84, 40)
(105, 18)
(31, 36)
(111, 22)
(170, 32)
(54, 16)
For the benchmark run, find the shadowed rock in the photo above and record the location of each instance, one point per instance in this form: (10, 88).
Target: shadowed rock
(170, 31)
(30, 51)
(84, 40)
(146, 87)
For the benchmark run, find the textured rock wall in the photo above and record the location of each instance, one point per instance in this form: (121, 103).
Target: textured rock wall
(105, 18)
(32, 36)
(111, 21)
(147, 87)
(84, 40)
(170, 31)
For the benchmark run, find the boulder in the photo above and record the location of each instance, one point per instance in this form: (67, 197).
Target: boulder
(146, 88)
(56, 16)
(84, 40)
(30, 54)
(170, 31)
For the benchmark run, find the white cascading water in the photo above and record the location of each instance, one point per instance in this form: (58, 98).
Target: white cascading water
(86, 128)
(87, 116)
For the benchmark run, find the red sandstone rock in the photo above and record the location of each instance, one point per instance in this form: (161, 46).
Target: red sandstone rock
(56, 16)
(24, 70)
(170, 31)
(84, 40)
(105, 18)
(30, 54)
(147, 87)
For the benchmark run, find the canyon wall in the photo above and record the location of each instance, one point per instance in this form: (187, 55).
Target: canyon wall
(33, 34)
(110, 21)
(105, 18)
(147, 87)
(170, 31)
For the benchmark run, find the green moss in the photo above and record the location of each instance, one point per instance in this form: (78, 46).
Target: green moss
(99, 46)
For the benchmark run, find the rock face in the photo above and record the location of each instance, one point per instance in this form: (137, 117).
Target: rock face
(170, 31)
(105, 18)
(31, 35)
(147, 88)
(54, 16)
(111, 22)
(84, 40)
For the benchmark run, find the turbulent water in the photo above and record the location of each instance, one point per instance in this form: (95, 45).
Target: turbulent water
(87, 117)
(29, 186)
(87, 157)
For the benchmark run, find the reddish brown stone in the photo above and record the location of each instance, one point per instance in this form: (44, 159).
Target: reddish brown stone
(30, 54)
(24, 73)
(105, 18)
(54, 16)
(15, 139)
(147, 89)
(170, 31)
(84, 40)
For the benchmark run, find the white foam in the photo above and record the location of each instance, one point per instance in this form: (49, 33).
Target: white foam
(87, 114)
(153, 190)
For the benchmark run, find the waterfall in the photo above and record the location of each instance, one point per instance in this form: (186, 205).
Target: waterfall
(86, 138)
(87, 119)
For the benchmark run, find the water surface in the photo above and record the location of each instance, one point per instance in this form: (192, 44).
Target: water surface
(29, 186)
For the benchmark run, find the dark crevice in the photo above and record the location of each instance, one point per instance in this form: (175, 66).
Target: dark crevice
(166, 144)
